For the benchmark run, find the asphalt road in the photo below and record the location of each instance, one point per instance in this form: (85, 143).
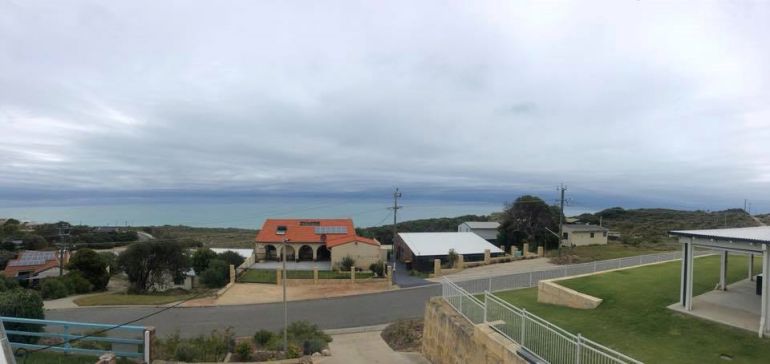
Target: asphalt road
(330, 313)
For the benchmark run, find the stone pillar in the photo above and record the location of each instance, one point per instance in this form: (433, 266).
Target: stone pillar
(232, 273)
(723, 271)
(436, 267)
(315, 253)
(460, 261)
(540, 251)
(525, 249)
(513, 250)
(487, 256)
(390, 275)
(315, 275)
(353, 274)
(502, 247)
(278, 276)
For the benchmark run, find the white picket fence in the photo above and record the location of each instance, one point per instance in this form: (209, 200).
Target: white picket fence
(540, 338)
(530, 279)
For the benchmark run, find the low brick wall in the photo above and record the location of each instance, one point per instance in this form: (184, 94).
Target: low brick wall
(448, 338)
(553, 293)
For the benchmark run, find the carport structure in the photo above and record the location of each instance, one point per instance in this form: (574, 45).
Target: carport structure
(748, 241)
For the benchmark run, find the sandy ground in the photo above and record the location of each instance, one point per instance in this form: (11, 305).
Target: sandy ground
(250, 293)
(527, 265)
(367, 347)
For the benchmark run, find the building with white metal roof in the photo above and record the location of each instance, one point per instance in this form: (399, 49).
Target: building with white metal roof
(485, 229)
(423, 248)
(747, 241)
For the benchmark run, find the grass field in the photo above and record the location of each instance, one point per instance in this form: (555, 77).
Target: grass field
(634, 319)
(118, 299)
(613, 250)
(268, 275)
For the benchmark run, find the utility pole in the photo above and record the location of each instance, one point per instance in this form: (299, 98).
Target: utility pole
(63, 234)
(285, 306)
(562, 188)
(396, 196)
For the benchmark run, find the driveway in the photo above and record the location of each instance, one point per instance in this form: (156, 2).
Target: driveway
(293, 265)
(367, 347)
(404, 280)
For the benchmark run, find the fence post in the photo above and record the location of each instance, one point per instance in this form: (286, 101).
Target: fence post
(579, 344)
(594, 266)
(523, 325)
(149, 336)
(486, 299)
(530, 279)
(489, 284)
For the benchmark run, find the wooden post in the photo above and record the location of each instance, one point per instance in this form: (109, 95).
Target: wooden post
(436, 267)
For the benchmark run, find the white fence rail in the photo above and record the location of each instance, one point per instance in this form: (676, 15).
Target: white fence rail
(530, 279)
(539, 337)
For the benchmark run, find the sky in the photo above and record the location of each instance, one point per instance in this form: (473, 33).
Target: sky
(629, 103)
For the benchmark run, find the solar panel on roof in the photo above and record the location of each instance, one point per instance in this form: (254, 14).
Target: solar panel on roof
(331, 230)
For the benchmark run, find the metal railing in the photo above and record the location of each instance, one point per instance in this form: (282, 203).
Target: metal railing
(539, 337)
(530, 279)
(129, 341)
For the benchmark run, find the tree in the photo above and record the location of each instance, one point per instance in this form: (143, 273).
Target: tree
(148, 264)
(217, 274)
(10, 227)
(231, 257)
(201, 259)
(24, 303)
(92, 266)
(35, 242)
(378, 268)
(111, 260)
(526, 219)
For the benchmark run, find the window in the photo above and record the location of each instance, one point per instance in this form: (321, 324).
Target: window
(592, 235)
(309, 223)
(280, 230)
(604, 234)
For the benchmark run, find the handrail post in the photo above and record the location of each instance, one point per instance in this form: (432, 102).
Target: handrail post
(486, 300)
(579, 343)
(489, 284)
(67, 340)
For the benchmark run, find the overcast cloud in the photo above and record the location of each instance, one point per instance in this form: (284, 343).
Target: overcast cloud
(633, 99)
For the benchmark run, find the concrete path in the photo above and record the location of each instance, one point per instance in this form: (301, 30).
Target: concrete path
(404, 280)
(367, 347)
(493, 270)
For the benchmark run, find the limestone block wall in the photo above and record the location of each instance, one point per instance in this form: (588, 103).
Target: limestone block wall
(448, 338)
(553, 293)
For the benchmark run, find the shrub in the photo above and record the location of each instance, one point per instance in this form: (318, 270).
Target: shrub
(378, 268)
(452, 257)
(347, 263)
(201, 259)
(293, 351)
(314, 346)
(404, 335)
(53, 288)
(231, 257)
(301, 333)
(186, 352)
(216, 275)
(112, 262)
(24, 303)
(76, 283)
(7, 283)
(262, 337)
(243, 350)
(210, 348)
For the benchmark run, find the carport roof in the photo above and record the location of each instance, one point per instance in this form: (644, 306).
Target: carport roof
(757, 234)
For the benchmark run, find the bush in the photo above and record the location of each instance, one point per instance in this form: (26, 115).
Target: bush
(263, 337)
(347, 263)
(111, 260)
(231, 257)
(7, 283)
(211, 348)
(302, 333)
(216, 275)
(53, 288)
(243, 350)
(404, 335)
(186, 352)
(201, 259)
(76, 283)
(293, 351)
(378, 268)
(92, 266)
(314, 346)
(24, 303)
(452, 257)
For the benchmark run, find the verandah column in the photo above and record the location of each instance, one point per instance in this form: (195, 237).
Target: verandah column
(751, 267)
(690, 261)
(683, 277)
(763, 325)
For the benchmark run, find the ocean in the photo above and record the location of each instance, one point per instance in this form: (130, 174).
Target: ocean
(243, 214)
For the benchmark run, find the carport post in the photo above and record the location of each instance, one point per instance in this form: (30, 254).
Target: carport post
(765, 287)
(751, 267)
(723, 271)
(686, 285)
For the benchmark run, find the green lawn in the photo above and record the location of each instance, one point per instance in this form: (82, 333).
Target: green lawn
(612, 250)
(634, 319)
(109, 299)
(268, 275)
(45, 357)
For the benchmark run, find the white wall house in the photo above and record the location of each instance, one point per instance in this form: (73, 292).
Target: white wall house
(487, 230)
(577, 235)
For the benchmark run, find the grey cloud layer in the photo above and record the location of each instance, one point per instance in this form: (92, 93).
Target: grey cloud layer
(656, 98)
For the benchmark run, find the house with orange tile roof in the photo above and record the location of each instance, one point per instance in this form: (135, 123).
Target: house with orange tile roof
(315, 240)
(34, 265)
